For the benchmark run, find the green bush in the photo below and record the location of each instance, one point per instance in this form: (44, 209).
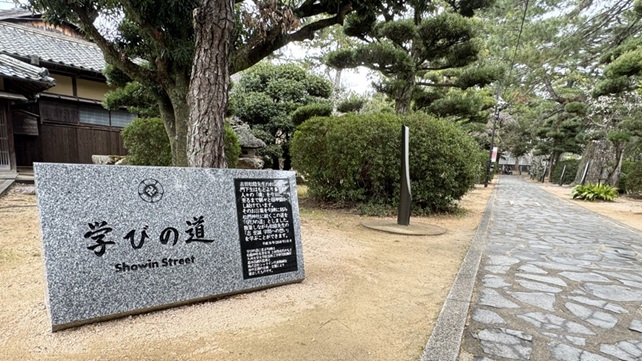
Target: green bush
(311, 110)
(571, 170)
(351, 104)
(633, 178)
(232, 146)
(147, 143)
(594, 192)
(354, 159)
(627, 167)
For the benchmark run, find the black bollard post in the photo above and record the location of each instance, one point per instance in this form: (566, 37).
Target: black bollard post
(403, 216)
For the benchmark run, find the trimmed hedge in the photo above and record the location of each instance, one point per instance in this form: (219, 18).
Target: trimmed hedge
(354, 159)
(352, 104)
(571, 170)
(147, 143)
(631, 178)
(311, 110)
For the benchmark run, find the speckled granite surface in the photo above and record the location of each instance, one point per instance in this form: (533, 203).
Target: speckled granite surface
(122, 239)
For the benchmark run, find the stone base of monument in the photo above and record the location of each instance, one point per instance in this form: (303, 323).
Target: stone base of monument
(413, 229)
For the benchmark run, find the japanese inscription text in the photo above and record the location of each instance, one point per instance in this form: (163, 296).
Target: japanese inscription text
(266, 226)
(101, 234)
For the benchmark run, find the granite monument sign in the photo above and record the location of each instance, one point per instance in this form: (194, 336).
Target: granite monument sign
(120, 240)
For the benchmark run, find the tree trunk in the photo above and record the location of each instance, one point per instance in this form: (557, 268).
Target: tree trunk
(614, 176)
(517, 167)
(404, 98)
(552, 162)
(276, 163)
(174, 112)
(208, 92)
(287, 158)
(181, 115)
(337, 81)
(600, 154)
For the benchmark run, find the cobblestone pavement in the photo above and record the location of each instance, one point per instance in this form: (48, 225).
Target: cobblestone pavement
(557, 282)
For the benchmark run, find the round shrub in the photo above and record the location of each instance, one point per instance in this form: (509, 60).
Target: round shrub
(308, 111)
(352, 104)
(354, 159)
(571, 171)
(147, 143)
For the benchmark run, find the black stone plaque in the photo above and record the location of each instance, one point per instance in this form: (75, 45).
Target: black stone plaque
(266, 226)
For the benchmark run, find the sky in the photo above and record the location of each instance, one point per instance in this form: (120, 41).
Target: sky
(357, 80)
(7, 4)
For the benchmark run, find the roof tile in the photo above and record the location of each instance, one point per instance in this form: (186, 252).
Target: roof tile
(25, 41)
(13, 68)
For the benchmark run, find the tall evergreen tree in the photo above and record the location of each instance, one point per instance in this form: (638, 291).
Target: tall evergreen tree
(422, 49)
(274, 99)
(553, 60)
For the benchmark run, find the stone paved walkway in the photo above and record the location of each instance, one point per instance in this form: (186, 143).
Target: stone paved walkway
(557, 282)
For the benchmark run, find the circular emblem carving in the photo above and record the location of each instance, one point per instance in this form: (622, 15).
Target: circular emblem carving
(150, 190)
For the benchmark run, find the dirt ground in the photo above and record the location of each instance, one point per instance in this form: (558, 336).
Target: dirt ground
(624, 209)
(367, 296)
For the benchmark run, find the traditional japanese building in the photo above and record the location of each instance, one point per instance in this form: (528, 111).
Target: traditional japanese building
(51, 93)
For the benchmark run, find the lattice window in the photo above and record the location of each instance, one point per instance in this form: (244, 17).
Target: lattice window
(121, 119)
(94, 115)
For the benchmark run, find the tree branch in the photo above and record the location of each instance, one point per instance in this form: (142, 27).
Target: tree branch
(245, 58)
(157, 36)
(309, 8)
(152, 32)
(385, 12)
(549, 88)
(111, 53)
(443, 67)
(435, 85)
(555, 112)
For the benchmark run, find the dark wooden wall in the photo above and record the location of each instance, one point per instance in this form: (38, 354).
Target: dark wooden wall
(26, 150)
(62, 139)
(59, 112)
(76, 144)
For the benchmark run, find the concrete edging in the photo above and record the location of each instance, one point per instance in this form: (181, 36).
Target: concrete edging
(5, 184)
(445, 341)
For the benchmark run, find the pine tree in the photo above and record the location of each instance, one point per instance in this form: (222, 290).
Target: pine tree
(423, 50)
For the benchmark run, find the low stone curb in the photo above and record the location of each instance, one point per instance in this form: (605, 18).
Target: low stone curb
(445, 341)
(5, 184)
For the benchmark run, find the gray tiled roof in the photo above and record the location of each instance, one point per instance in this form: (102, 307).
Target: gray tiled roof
(13, 68)
(25, 41)
(14, 13)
